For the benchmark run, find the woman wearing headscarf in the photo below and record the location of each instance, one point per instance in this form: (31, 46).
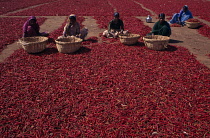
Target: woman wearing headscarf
(31, 28)
(115, 27)
(72, 28)
(161, 27)
(182, 16)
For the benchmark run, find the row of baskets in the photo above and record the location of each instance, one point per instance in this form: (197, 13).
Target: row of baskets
(72, 44)
(154, 42)
(39, 43)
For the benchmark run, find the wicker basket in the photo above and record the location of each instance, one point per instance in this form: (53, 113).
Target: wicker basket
(68, 44)
(192, 24)
(129, 39)
(156, 42)
(34, 44)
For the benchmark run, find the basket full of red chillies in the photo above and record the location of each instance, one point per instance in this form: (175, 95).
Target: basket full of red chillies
(192, 23)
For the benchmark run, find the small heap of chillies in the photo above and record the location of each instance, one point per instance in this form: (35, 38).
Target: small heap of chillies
(193, 20)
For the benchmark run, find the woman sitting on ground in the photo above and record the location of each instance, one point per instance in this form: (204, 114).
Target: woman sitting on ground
(182, 16)
(115, 27)
(161, 27)
(31, 28)
(72, 28)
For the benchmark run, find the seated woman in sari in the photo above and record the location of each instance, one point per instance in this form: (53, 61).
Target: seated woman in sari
(72, 28)
(161, 27)
(31, 28)
(182, 16)
(115, 27)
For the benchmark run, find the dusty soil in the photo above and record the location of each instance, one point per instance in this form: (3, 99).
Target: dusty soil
(181, 36)
(93, 29)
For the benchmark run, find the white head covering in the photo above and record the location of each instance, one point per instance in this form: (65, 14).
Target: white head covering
(72, 15)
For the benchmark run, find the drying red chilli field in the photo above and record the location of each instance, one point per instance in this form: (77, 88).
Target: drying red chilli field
(104, 89)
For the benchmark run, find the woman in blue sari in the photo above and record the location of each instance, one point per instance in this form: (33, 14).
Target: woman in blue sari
(182, 16)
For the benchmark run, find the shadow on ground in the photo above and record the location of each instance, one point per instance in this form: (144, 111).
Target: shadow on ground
(175, 41)
(47, 51)
(53, 50)
(170, 48)
(82, 50)
(91, 40)
(140, 44)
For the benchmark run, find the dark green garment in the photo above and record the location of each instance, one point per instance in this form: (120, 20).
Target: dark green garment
(116, 26)
(161, 29)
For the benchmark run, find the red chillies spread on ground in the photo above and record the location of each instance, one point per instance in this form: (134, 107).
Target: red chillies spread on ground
(103, 89)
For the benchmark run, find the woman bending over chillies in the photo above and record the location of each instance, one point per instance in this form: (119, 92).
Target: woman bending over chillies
(31, 28)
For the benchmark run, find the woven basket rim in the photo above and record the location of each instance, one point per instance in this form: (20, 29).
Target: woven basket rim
(43, 39)
(60, 42)
(156, 40)
(127, 36)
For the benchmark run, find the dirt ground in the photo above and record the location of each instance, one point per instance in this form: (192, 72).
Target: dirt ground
(181, 36)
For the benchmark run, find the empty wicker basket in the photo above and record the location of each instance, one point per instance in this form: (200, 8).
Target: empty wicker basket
(129, 39)
(34, 44)
(192, 24)
(68, 44)
(156, 42)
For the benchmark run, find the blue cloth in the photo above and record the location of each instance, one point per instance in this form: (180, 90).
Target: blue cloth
(183, 16)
